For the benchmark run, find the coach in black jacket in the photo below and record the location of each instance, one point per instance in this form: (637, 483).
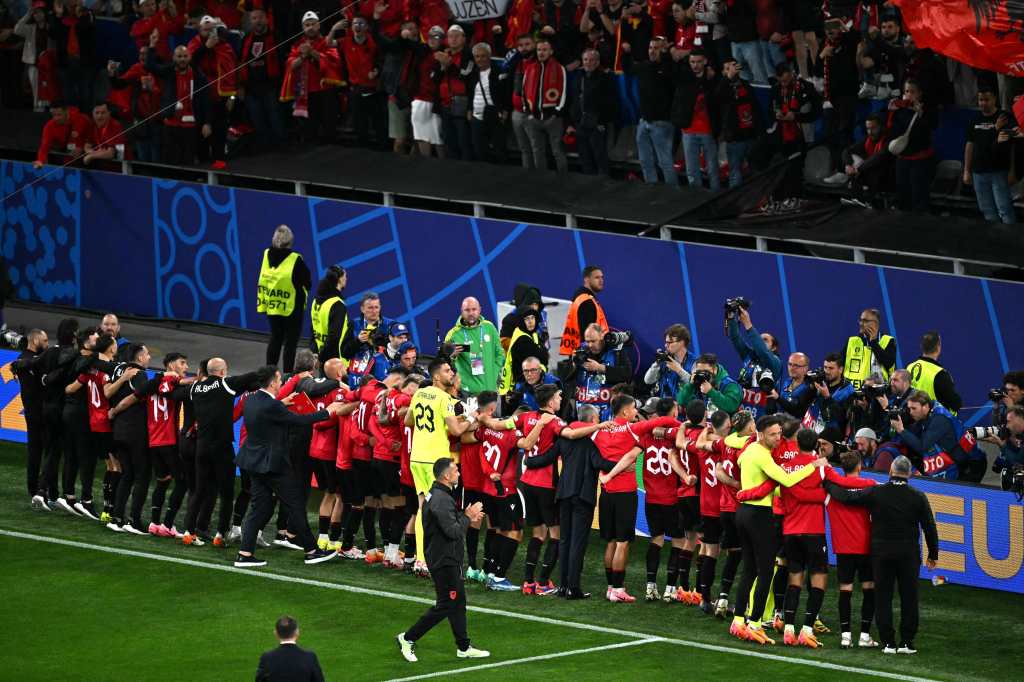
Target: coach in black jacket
(288, 662)
(898, 515)
(577, 495)
(265, 456)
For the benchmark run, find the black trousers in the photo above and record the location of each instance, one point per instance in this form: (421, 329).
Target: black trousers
(215, 480)
(79, 456)
(450, 604)
(489, 139)
(576, 517)
(368, 110)
(35, 423)
(54, 450)
(178, 145)
(759, 542)
(592, 145)
(214, 147)
(289, 494)
(133, 454)
(903, 573)
(284, 332)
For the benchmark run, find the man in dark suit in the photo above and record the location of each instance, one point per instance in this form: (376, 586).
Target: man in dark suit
(576, 495)
(288, 662)
(264, 455)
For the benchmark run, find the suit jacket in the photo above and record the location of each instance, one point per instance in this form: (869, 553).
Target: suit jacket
(289, 663)
(581, 461)
(266, 422)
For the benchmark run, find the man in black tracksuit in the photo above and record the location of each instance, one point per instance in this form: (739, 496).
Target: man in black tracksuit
(898, 515)
(576, 495)
(444, 534)
(30, 380)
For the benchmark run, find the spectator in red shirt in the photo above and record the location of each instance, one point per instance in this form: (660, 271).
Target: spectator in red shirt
(162, 18)
(695, 111)
(429, 14)
(143, 103)
(106, 140)
(216, 58)
(260, 80)
(455, 73)
(65, 132)
(426, 122)
(544, 98)
(73, 29)
(182, 114)
(361, 60)
(311, 76)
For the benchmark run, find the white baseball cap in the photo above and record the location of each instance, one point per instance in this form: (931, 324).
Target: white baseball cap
(866, 433)
(310, 15)
(207, 20)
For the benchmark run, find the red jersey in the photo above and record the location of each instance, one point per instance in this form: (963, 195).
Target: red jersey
(691, 458)
(850, 524)
(404, 471)
(617, 442)
(108, 136)
(346, 425)
(785, 451)
(710, 497)
(727, 496)
(324, 444)
(161, 411)
(660, 482)
(367, 396)
(544, 477)
(99, 408)
(393, 431)
(804, 503)
(497, 453)
(700, 124)
(469, 466)
(68, 138)
(239, 413)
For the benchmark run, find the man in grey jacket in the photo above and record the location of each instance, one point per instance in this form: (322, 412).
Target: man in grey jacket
(444, 533)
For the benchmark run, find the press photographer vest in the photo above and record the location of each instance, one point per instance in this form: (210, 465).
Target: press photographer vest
(591, 389)
(754, 399)
(941, 464)
(572, 335)
(320, 314)
(858, 360)
(275, 292)
(922, 376)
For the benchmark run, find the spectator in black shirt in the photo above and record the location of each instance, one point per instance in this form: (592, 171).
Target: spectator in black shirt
(654, 131)
(260, 80)
(987, 156)
(635, 26)
(883, 58)
(592, 109)
(914, 116)
(867, 165)
(741, 123)
(842, 79)
(695, 111)
(558, 24)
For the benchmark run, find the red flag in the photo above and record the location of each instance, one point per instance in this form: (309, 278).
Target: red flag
(987, 34)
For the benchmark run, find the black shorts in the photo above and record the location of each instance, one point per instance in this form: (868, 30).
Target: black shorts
(324, 472)
(367, 478)
(730, 534)
(712, 530)
(780, 539)
(166, 461)
(689, 513)
(412, 502)
(806, 553)
(852, 567)
(663, 519)
(504, 513)
(617, 513)
(472, 497)
(540, 505)
(386, 478)
(352, 491)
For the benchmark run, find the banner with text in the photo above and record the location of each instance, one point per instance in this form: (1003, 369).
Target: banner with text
(467, 11)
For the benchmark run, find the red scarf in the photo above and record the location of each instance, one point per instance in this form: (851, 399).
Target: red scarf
(73, 48)
(790, 129)
(866, 10)
(218, 65)
(543, 86)
(260, 48)
(312, 76)
(871, 147)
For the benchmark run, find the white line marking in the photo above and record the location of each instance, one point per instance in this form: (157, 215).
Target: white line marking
(531, 659)
(755, 653)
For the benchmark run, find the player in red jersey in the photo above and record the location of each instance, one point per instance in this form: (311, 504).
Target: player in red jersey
(662, 474)
(323, 452)
(620, 443)
(388, 430)
(348, 482)
(851, 541)
(689, 499)
(472, 483)
(711, 446)
(728, 473)
(537, 487)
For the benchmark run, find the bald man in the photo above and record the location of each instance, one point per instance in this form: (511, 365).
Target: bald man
(111, 325)
(795, 395)
(478, 356)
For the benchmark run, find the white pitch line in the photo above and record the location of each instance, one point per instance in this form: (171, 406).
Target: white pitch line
(755, 653)
(530, 659)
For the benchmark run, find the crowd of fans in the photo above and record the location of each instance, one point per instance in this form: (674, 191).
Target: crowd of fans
(278, 74)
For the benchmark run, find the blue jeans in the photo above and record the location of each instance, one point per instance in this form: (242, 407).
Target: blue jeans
(148, 149)
(751, 59)
(994, 197)
(736, 153)
(655, 140)
(692, 144)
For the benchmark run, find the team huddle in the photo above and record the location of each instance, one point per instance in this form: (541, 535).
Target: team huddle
(715, 486)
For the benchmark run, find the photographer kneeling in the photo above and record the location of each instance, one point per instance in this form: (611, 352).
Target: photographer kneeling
(762, 368)
(1011, 393)
(938, 444)
(1010, 462)
(597, 365)
(828, 409)
(796, 393)
(523, 392)
(672, 365)
(712, 384)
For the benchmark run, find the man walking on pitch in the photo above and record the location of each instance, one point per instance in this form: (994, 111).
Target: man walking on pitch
(444, 531)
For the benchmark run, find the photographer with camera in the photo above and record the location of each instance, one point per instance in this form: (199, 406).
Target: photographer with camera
(938, 444)
(1010, 462)
(1009, 395)
(524, 392)
(759, 352)
(796, 394)
(478, 356)
(869, 351)
(390, 353)
(865, 409)
(828, 409)
(597, 365)
(672, 365)
(926, 374)
(369, 332)
(712, 384)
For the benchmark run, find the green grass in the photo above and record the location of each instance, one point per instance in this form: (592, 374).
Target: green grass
(91, 615)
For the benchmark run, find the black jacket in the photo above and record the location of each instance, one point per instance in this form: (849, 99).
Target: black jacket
(166, 72)
(593, 101)
(289, 663)
(266, 444)
(30, 379)
(655, 86)
(85, 30)
(740, 111)
(935, 429)
(213, 403)
(580, 463)
(687, 87)
(444, 529)
(898, 515)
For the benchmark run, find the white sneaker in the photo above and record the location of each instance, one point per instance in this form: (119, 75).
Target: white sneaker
(472, 652)
(906, 649)
(234, 535)
(846, 640)
(889, 649)
(114, 527)
(652, 592)
(260, 542)
(129, 528)
(836, 179)
(670, 594)
(866, 641)
(38, 502)
(286, 543)
(353, 553)
(63, 503)
(85, 511)
(407, 648)
(867, 91)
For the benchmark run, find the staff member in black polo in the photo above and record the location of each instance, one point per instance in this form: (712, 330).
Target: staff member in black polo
(264, 455)
(444, 538)
(898, 515)
(30, 377)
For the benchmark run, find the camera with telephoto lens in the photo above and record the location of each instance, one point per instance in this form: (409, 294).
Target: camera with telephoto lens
(579, 356)
(661, 355)
(617, 339)
(996, 394)
(1000, 432)
(378, 335)
(869, 391)
(815, 376)
(892, 413)
(766, 380)
(733, 305)
(14, 340)
(1011, 479)
(700, 376)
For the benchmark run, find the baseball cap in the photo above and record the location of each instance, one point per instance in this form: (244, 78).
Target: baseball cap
(650, 407)
(455, 28)
(866, 433)
(398, 329)
(406, 347)
(436, 31)
(310, 15)
(207, 20)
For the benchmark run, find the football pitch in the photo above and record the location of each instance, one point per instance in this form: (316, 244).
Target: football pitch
(81, 602)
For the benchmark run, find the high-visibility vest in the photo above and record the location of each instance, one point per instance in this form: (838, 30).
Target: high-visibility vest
(505, 381)
(275, 292)
(320, 314)
(922, 376)
(858, 360)
(572, 335)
